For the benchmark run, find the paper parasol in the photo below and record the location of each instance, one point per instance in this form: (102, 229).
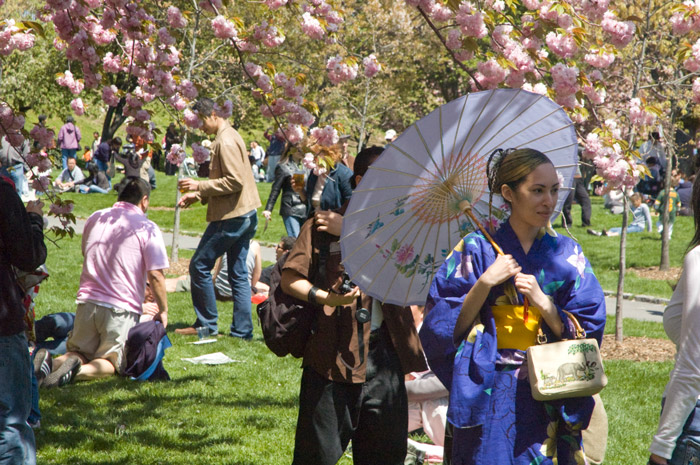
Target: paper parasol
(407, 213)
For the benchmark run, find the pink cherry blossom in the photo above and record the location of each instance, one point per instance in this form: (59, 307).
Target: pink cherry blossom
(211, 5)
(253, 69)
(42, 135)
(340, 70)
(696, 90)
(470, 21)
(175, 18)
(294, 133)
(638, 115)
(77, 106)
(109, 95)
(199, 153)
(188, 89)
(274, 4)
(311, 26)
(372, 66)
(309, 161)
(268, 34)
(327, 136)
(563, 45)
(599, 58)
(621, 32)
(41, 183)
(224, 110)
(76, 86)
(191, 119)
(39, 160)
(176, 155)
(223, 28)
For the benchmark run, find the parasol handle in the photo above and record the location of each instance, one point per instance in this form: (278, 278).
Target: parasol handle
(466, 207)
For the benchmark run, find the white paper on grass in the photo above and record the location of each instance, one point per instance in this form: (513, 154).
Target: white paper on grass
(216, 358)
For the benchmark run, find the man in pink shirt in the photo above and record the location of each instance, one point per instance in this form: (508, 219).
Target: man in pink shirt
(122, 249)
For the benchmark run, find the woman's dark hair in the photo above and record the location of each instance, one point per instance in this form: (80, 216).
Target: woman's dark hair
(363, 160)
(510, 167)
(69, 119)
(92, 170)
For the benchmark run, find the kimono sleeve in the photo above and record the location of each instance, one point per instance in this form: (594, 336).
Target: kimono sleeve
(450, 285)
(582, 296)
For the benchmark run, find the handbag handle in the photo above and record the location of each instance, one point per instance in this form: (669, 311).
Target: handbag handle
(580, 333)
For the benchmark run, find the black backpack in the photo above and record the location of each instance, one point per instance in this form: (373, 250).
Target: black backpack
(286, 322)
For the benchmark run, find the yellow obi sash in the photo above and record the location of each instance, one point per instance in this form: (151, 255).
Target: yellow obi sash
(512, 332)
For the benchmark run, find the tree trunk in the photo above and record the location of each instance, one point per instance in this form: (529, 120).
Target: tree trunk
(623, 266)
(665, 214)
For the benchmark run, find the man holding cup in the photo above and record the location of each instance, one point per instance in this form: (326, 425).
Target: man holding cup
(232, 199)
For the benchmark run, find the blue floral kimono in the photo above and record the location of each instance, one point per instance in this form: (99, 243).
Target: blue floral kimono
(496, 419)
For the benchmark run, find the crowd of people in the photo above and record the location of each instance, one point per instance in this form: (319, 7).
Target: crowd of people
(372, 371)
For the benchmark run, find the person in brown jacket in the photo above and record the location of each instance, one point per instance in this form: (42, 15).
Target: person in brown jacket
(352, 387)
(232, 199)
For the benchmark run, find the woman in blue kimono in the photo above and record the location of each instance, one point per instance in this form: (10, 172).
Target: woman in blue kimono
(465, 334)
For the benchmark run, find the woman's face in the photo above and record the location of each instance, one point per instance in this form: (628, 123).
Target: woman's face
(533, 201)
(297, 155)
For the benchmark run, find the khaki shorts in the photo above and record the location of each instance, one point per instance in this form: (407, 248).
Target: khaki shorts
(101, 332)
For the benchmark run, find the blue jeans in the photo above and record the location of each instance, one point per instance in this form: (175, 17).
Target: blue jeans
(633, 228)
(92, 189)
(233, 237)
(688, 444)
(65, 155)
(54, 326)
(272, 162)
(293, 225)
(16, 173)
(17, 446)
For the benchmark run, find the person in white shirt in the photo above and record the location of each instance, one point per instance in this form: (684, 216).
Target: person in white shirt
(676, 438)
(66, 181)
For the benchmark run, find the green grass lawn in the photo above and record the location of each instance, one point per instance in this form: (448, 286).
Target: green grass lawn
(245, 412)
(643, 250)
(162, 209)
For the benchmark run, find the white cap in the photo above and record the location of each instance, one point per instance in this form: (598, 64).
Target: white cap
(390, 134)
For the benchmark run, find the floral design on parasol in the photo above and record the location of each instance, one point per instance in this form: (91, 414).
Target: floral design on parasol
(428, 189)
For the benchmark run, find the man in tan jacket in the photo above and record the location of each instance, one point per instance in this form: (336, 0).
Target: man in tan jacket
(231, 198)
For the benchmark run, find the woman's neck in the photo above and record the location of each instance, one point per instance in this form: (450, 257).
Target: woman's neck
(525, 233)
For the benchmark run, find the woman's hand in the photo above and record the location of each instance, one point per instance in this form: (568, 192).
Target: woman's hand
(329, 222)
(298, 187)
(500, 271)
(527, 285)
(267, 215)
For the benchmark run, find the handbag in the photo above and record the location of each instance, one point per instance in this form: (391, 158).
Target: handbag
(567, 368)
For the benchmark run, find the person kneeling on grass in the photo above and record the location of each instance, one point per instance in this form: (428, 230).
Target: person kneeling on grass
(122, 248)
(641, 219)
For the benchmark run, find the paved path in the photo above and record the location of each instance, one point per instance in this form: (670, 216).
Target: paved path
(651, 310)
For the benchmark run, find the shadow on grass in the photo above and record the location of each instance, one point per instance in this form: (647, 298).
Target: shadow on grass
(181, 416)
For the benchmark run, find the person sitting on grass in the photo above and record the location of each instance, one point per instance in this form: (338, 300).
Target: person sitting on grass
(96, 182)
(69, 176)
(641, 219)
(122, 248)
